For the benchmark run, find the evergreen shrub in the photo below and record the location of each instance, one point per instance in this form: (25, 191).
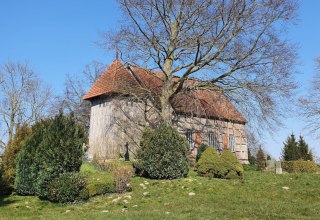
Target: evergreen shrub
(54, 148)
(163, 153)
(201, 149)
(214, 166)
(233, 167)
(68, 187)
(8, 172)
(299, 166)
(98, 188)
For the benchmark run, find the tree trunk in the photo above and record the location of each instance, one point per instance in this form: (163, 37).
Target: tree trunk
(167, 92)
(166, 109)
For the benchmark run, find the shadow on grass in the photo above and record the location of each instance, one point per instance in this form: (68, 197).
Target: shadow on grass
(4, 200)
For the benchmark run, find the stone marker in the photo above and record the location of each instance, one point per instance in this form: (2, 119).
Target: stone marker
(278, 167)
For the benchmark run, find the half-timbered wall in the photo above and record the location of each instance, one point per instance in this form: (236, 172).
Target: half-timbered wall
(115, 123)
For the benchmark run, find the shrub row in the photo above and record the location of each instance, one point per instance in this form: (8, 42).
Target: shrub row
(71, 187)
(54, 148)
(299, 166)
(225, 165)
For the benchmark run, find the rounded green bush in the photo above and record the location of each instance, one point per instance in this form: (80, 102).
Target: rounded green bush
(210, 164)
(164, 153)
(233, 167)
(200, 150)
(214, 166)
(95, 189)
(68, 187)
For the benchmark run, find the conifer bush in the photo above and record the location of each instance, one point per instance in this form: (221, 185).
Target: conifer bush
(201, 149)
(54, 148)
(8, 172)
(69, 187)
(163, 154)
(233, 167)
(26, 166)
(210, 164)
(225, 165)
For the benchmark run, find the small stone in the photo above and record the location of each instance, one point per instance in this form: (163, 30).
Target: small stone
(128, 197)
(146, 182)
(192, 194)
(135, 206)
(28, 207)
(182, 187)
(68, 211)
(116, 199)
(125, 201)
(105, 211)
(146, 193)
(143, 186)
(124, 210)
(167, 213)
(285, 188)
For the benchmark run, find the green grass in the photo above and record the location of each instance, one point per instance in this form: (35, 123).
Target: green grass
(259, 196)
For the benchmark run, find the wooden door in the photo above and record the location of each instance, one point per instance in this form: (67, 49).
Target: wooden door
(225, 142)
(198, 139)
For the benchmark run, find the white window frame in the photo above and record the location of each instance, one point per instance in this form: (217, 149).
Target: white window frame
(213, 139)
(232, 142)
(189, 136)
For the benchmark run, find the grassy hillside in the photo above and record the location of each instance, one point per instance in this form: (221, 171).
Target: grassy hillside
(260, 195)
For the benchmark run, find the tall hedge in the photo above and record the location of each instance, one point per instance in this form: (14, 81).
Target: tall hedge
(54, 148)
(163, 154)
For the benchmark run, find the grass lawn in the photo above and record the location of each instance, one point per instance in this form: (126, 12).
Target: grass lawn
(259, 196)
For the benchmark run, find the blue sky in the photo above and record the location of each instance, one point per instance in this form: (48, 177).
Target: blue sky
(58, 38)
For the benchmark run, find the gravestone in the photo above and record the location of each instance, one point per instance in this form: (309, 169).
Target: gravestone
(278, 167)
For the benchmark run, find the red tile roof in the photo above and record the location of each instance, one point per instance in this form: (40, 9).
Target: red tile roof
(203, 103)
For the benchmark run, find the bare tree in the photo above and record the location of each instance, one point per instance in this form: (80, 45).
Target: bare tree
(23, 98)
(310, 103)
(75, 87)
(232, 46)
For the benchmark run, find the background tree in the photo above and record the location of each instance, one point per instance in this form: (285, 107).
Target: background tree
(75, 87)
(24, 99)
(303, 148)
(310, 103)
(294, 150)
(251, 157)
(290, 150)
(254, 145)
(261, 160)
(234, 46)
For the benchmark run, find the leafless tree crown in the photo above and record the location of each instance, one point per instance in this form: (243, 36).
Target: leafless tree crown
(75, 87)
(236, 45)
(310, 103)
(24, 99)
